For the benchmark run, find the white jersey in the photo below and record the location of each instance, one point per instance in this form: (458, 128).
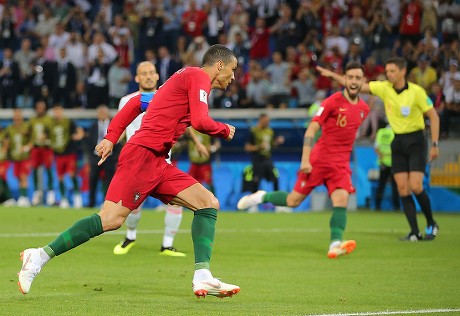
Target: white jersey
(132, 128)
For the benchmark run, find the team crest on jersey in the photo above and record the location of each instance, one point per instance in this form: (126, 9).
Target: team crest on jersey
(136, 197)
(405, 110)
(203, 96)
(362, 114)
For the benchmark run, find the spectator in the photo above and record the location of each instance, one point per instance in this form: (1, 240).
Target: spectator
(379, 33)
(304, 88)
(76, 22)
(329, 14)
(241, 49)
(66, 79)
(335, 39)
(80, 99)
(424, 75)
(354, 53)
(97, 87)
(193, 21)
(239, 20)
(371, 69)
(60, 9)
(410, 25)
(27, 28)
(306, 18)
(166, 65)
(357, 26)
(119, 29)
(125, 51)
(151, 29)
(59, 38)
(24, 57)
(76, 51)
(284, 31)
(41, 76)
(217, 20)
(278, 73)
(258, 89)
(196, 50)
(172, 26)
(100, 45)
(18, 143)
(48, 52)
(447, 77)
(9, 79)
(259, 36)
(7, 34)
(47, 24)
(452, 108)
(119, 78)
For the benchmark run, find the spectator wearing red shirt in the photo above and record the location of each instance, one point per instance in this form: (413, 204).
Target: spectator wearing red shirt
(411, 19)
(260, 47)
(194, 20)
(371, 69)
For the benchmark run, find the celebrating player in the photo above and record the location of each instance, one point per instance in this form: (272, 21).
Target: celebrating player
(406, 104)
(143, 171)
(328, 162)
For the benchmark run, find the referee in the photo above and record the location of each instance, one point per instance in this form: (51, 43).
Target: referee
(405, 106)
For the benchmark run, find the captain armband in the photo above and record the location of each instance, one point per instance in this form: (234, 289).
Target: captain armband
(308, 141)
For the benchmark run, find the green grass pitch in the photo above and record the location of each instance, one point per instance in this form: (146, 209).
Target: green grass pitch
(278, 260)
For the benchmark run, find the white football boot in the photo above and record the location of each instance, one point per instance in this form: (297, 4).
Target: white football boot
(23, 201)
(37, 197)
(77, 200)
(214, 287)
(251, 200)
(32, 264)
(50, 198)
(64, 203)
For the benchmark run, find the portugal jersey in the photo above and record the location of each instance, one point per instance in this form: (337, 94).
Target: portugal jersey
(180, 102)
(339, 120)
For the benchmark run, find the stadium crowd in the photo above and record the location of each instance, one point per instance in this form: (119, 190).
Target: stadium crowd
(82, 53)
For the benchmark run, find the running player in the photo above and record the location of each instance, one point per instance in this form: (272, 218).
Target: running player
(143, 171)
(147, 77)
(328, 162)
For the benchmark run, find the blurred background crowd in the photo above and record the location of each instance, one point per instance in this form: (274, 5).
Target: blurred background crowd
(83, 53)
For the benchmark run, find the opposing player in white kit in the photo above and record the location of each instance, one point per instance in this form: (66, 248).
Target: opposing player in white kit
(147, 77)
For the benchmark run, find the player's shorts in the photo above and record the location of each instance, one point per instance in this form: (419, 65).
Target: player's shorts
(22, 168)
(333, 177)
(409, 152)
(141, 172)
(4, 165)
(42, 156)
(66, 164)
(201, 173)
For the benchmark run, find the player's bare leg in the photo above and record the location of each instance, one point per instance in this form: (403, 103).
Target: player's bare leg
(205, 206)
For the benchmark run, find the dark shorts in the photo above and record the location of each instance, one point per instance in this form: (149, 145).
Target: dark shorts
(332, 176)
(263, 168)
(409, 152)
(141, 172)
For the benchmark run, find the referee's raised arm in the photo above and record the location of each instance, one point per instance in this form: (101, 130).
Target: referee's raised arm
(339, 78)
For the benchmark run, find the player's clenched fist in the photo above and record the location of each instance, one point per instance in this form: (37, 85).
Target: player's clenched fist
(103, 149)
(232, 132)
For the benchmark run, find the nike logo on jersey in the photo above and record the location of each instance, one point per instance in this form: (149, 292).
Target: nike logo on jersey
(342, 109)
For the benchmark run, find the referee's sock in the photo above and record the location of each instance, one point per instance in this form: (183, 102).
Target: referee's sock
(425, 205)
(408, 205)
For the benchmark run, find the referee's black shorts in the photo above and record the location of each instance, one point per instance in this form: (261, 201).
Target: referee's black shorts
(409, 152)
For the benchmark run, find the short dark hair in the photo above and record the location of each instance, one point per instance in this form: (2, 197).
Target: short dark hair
(400, 62)
(218, 52)
(354, 65)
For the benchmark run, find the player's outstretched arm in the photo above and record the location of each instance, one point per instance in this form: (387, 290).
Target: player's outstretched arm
(122, 119)
(339, 78)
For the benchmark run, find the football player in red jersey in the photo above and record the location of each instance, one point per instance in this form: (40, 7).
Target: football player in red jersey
(328, 162)
(143, 171)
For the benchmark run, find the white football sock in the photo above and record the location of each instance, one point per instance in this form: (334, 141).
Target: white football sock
(202, 274)
(131, 223)
(173, 219)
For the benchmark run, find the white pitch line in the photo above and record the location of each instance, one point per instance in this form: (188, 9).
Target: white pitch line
(219, 231)
(421, 311)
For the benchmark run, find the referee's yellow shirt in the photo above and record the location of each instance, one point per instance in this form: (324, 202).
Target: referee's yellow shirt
(404, 110)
